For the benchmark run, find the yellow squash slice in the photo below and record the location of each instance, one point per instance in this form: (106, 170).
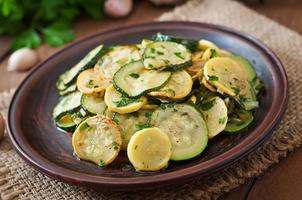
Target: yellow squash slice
(179, 86)
(119, 103)
(226, 75)
(97, 139)
(149, 149)
(89, 83)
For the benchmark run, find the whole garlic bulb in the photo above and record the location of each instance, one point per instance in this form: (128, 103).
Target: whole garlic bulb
(166, 2)
(22, 59)
(2, 127)
(118, 8)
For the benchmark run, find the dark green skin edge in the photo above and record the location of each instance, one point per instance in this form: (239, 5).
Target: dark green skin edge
(88, 65)
(191, 44)
(67, 91)
(67, 128)
(231, 131)
(56, 118)
(141, 94)
(178, 67)
(86, 110)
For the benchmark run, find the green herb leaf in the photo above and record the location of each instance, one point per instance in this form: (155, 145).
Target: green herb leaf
(134, 75)
(142, 126)
(115, 145)
(207, 105)
(58, 34)
(124, 101)
(178, 54)
(29, 38)
(102, 163)
(221, 120)
(213, 53)
(212, 78)
(84, 126)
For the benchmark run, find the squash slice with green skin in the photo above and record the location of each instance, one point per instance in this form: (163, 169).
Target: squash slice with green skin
(166, 55)
(185, 127)
(135, 80)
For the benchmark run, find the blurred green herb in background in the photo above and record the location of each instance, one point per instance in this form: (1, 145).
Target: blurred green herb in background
(31, 22)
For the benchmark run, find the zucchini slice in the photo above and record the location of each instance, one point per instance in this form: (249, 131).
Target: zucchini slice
(134, 80)
(68, 104)
(238, 120)
(97, 139)
(149, 149)
(130, 123)
(93, 104)
(68, 90)
(89, 83)
(247, 67)
(119, 103)
(215, 114)
(248, 100)
(226, 75)
(185, 127)
(191, 44)
(66, 123)
(166, 55)
(113, 60)
(179, 86)
(88, 61)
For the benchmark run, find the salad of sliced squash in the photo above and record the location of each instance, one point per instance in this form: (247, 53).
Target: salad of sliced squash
(161, 100)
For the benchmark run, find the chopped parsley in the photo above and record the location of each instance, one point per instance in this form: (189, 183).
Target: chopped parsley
(178, 54)
(152, 50)
(124, 101)
(151, 66)
(142, 126)
(212, 78)
(134, 75)
(135, 147)
(222, 120)
(213, 53)
(102, 163)
(160, 53)
(115, 145)
(236, 90)
(207, 105)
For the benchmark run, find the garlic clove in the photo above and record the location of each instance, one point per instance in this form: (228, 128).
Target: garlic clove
(22, 59)
(2, 126)
(118, 8)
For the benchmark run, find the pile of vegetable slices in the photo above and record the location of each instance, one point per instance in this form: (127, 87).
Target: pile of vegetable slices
(159, 100)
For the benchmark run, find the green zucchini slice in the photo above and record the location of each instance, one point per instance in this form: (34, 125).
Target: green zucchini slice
(215, 114)
(135, 80)
(248, 100)
(238, 120)
(93, 104)
(68, 90)
(185, 127)
(130, 123)
(70, 76)
(247, 67)
(66, 123)
(69, 104)
(170, 56)
(191, 44)
(115, 58)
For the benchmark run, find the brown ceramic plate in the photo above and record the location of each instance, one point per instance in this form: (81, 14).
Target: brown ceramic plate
(35, 137)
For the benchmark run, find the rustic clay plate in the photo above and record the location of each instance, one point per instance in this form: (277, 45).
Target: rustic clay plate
(37, 140)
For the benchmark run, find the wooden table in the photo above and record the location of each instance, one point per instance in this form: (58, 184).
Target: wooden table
(283, 180)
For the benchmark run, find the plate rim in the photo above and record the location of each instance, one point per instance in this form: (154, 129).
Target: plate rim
(129, 183)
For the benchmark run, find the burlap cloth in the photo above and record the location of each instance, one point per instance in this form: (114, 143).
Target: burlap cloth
(18, 180)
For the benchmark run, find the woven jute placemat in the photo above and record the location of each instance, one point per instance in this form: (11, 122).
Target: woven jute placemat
(18, 180)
